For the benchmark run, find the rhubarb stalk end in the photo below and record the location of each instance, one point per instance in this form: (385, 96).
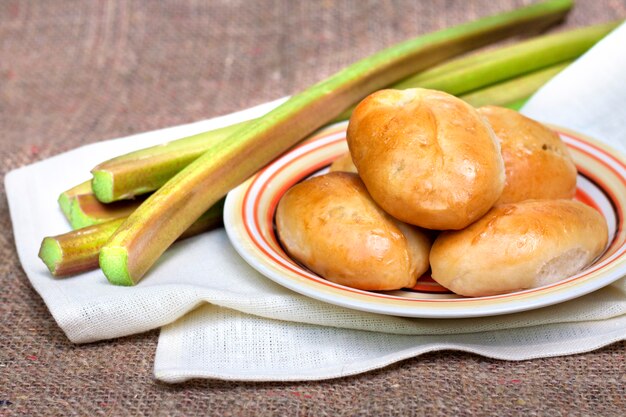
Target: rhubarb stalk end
(102, 185)
(114, 264)
(50, 253)
(66, 205)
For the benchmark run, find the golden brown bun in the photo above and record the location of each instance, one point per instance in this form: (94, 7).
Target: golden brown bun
(343, 164)
(331, 225)
(519, 246)
(426, 157)
(537, 163)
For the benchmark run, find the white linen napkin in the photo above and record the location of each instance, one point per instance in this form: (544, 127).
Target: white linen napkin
(221, 319)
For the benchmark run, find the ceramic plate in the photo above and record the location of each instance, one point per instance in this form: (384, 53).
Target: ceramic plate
(249, 220)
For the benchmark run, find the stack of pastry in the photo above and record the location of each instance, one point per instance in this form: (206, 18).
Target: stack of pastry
(481, 196)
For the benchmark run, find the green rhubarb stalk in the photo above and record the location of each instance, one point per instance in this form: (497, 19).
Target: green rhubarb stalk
(82, 208)
(490, 67)
(147, 170)
(87, 210)
(152, 228)
(67, 197)
(77, 251)
(511, 92)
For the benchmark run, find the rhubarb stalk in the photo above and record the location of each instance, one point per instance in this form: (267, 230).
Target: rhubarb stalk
(81, 207)
(478, 70)
(67, 197)
(158, 222)
(87, 210)
(513, 93)
(148, 169)
(77, 251)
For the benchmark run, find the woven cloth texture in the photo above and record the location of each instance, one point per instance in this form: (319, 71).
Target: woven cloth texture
(76, 72)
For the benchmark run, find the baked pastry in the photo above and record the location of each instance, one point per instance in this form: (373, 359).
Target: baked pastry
(519, 246)
(426, 157)
(536, 161)
(331, 225)
(343, 164)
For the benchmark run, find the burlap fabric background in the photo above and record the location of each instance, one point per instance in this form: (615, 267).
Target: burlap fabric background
(76, 72)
